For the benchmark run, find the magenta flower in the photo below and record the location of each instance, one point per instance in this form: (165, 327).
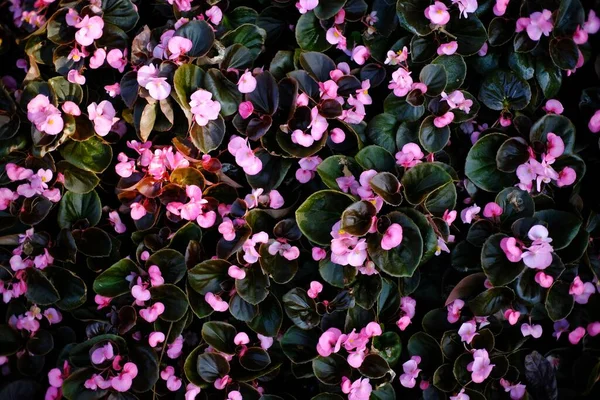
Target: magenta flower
(492, 210)
(103, 116)
(593, 328)
(594, 124)
(411, 371)
(544, 280)
(392, 237)
(553, 106)
(500, 7)
(460, 395)
(337, 135)
(592, 25)
(285, 250)
(360, 54)
(315, 288)
(152, 313)
(246, 108)
(203, 107)
(588, 290)
(454, 309)
(155, 338)
(247, 82)
(538, 24)
(443, 120)
(123, 381)
(214, 15)
(566, 177)
(408, 307)
(512, 316)
(480, 367)
(409, 156)
(437, 13)
(330, 342)
(576, 335)
(244, 156)
(102, 354)
(90, 29)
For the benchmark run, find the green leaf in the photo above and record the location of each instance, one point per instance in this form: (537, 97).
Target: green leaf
(432, 138)
(113, 282)
(337, 166)
(366, 290)
(434, 76)
(515, 203)
(65, 90)
(504, 90)
(248, 35)
(511, 154)
(499, 270)
(389, 347)
(422, 180)
(377, 158)
(358, 218)
(336, 275)
(403, 260)
(411, 15)
(570, 15)
(564, 53)
(423, 345)
(77, 207)
(328, 9)
(402, 110)
(330, 370)
(310, 35)
(269, 318)
(470, 34)
(121, 13)
(273, 172)
(522, 64)
(559, 303)
(171, 264)
(381, 130)
(318, 65)
(174, 300)
(9, 340)
(481, 167)
(491, 301)
(93, 242)
(300, 345)
(301, 309)
(266, 95)
(201, 35)
(255, 359)
(39, 288)
(208, 276)
(541, 377)
(212, 366)
(91, 155)
(562, 226)
(254, 288)
(548, 76)
(208, 138)
(319, 212)
(455, 68)
(77, 180)
(374, 366)
(187, 79)
(219, 335)
(71, 288)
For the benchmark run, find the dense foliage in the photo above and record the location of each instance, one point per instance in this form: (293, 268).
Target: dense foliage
(312, 199)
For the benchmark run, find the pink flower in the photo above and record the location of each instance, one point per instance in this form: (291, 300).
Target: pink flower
(179, 46)
(544, 280)
(265, 341)
(214, 15)
(246, 108)
(443, 120)
(360, 389)
(392, 237)
(6, 197)
(594, 124)
(191, 391)
(592, 25)
(517, 391)
(411, 372)
(408, 307)
(56, 377)
(152, 313)
(71, 108)
(138, 211)
(45, 116)
(398, 57)
(90, 29)
(221, 383)
(315, 288)
(576, 287)
(593, 328)
(330, 342)
(500, 7)
(318, 253)
(409, 156)
(454, 310)
(123, 381)
(102, 301)
(373, 329)
(285, 250)
(401, 82)
(531, 330)
(336, 37)
(227, 229)
(537, 24)
(75, 77)
(555, 146)
(337, 135)
(115, 221)
(539, 254)
(305, 6)
(360, 54)
(460, 396)
(244, 156)
(203, 108)
(457, 100)
(437, 13)
(468, 331)
(216, 302)
(236, 272)
(117, 59)
(447, 48)
(155, 338)
(97, 60)
(247, 82)
(102, 354)
(466, 6)
(553, 106)
(175, 349)
(469, 213)
(481, 367)
(241, 338)
(53, 316)
(512, 316)
(588, 290)
(103, 116)
(576, 335)
(566, 177)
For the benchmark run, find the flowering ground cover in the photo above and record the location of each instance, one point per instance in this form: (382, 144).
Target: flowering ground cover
(299, 199)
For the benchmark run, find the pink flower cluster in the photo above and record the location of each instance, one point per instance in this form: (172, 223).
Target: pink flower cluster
(355, 343)
(44, 115)
(172, 47)
(20, 261)
(537, 256)
(141, 294)
(536, 25)
(308, 168)
(360, 389)
(411, 372)
(481, 366)
(542, 172)
(157, 86)
(118, 377)
(335, 34)
(30, 320)
(36, 185)
(244, 155)
(195, 209)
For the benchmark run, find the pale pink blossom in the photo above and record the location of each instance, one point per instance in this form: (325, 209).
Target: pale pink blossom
(437, 13)
(447, 49)
(44, 115)
(454, 309)
(553, 106)
(401, 82)
(534, 331)
(330, 342)
(155, 338)
(396, 57)
(539, 254)
(74, 76)
(191, 391)
(90, 29)
(409, 156)
(392, 237)
(360, 389)
(337, 135)
(247, 82)
(265, 341)
(538, 24)
(588, 290)
(468, 331)
(241, 338)
(315, 288)
(592, 25)
(71, 108)
(457, 100)
(408, 309)
(234, 395)
(103, 116)
(411, 371)
(138, 211)
(516, 391)
(305, 6)
(152, 313)
(97, 60)
(236, 272)
(216, 302)
(214, 15)
(481, 367)
(102, 354)
(443, 120)
(469, 213)
(244, 156)
(492, 210)
(360, 54)
(460, 395)
(203, 107)
(123, 381)
(466, 6)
